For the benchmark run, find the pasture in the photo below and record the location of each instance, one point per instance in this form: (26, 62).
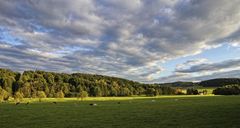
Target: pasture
(124, 112)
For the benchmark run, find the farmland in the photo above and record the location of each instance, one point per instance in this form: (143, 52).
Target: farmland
(128, 112)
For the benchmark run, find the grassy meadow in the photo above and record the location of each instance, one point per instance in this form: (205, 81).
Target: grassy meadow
(132, 112)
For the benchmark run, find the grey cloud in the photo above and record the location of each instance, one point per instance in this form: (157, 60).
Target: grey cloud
(202, 69)
(112, 37)
(211, 66)
(172, 78)
(187, 77)
(226, 74)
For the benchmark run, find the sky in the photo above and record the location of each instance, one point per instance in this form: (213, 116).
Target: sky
(150, 41)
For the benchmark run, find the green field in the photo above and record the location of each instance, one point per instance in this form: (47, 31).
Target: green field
(132, 112)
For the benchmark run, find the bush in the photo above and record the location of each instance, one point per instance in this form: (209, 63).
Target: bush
(18, 96)
(40, 95)
(4, 95)
(82, 95)
(227, 90)
(60, 94)
(167, 91)
(192, 91)
(151, 92)
(205, 92)
(179, 91)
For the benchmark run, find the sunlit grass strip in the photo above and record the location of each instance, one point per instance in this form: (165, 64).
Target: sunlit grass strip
(25, 100)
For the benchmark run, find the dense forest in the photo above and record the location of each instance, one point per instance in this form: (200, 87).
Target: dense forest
(33, 84)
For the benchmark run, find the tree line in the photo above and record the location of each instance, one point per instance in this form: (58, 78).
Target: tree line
(41, 84)
(227, 90)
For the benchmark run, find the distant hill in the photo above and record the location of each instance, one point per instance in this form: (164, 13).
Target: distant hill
(207, 83)
(179, 84)
(219, 82)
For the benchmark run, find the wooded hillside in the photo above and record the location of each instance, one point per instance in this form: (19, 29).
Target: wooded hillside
(50, 84)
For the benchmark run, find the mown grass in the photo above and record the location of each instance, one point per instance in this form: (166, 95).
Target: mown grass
(132, 112)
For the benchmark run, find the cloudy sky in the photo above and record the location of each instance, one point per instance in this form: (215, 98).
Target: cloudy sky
(142, 40)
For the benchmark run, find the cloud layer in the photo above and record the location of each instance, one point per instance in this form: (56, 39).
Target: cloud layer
(130, 39)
